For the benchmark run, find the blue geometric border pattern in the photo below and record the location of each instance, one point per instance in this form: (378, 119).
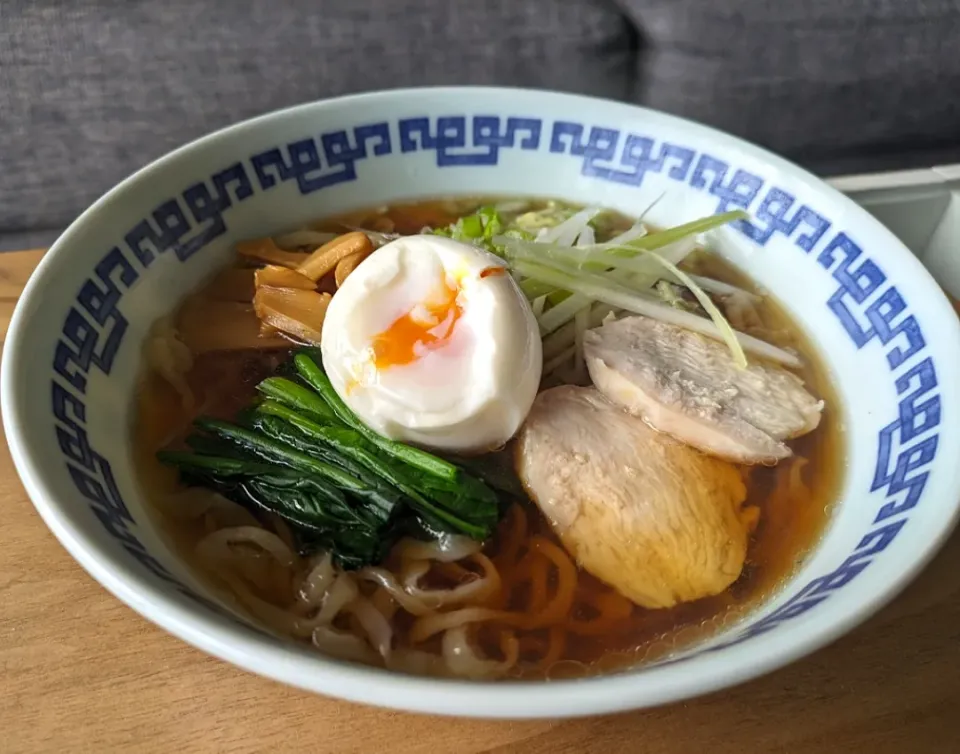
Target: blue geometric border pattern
(447, 136)
(867, 304)
(301, 160)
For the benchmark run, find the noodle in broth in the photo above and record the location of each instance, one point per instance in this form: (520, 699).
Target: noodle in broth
(514, 606)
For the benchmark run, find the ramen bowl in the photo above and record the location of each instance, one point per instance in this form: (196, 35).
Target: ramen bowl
(888, 338)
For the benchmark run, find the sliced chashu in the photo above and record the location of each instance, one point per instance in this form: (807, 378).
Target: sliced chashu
(688, 386)
(653, 518)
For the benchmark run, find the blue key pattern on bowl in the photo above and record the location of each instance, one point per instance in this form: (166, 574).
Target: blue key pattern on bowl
(95, 326)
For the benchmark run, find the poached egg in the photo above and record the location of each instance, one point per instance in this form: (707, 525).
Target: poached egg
(431, 342)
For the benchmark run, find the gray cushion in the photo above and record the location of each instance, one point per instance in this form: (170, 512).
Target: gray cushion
(93, 89)
(837, 85)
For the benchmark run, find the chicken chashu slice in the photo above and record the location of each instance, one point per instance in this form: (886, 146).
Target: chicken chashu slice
(653, 518)
(689, 386)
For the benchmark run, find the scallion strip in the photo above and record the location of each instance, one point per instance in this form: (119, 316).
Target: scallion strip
(600, 289)
(610, 259)
(654, 241)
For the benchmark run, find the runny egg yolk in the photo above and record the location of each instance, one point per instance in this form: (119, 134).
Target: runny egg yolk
(424, 328)
(431, 342)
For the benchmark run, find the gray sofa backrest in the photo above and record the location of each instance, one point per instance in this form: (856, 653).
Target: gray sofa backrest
(94, 89)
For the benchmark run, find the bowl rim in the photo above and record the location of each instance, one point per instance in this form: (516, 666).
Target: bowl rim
(510, 699)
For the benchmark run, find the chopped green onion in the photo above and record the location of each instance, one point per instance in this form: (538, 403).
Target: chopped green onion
(471, 226)
(490, 220)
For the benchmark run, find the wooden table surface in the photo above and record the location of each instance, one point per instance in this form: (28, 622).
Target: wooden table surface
(79, 671)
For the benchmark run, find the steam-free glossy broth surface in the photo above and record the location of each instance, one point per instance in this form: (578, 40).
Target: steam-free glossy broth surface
(601, 631)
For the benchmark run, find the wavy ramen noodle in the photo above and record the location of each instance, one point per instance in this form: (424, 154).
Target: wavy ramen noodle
(490, 588)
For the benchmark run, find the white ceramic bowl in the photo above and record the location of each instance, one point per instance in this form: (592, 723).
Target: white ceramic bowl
(888, 335)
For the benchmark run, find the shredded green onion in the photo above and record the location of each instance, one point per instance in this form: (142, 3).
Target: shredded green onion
(559, 360)
(609, 259)
(631, 256)
(533, 289)
(537, 305)
(598, 288)
(581, 323)
(654, 241)
(728, 333)
(562, 281)
(563, 312)
(565, 336)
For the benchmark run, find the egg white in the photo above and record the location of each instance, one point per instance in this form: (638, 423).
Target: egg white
(469, 394)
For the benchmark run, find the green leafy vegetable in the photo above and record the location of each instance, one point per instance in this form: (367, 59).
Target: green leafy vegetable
(480, 229)
(271, 450)
(318, 512)
(301, 454)
(295, 395)
(318, 380)
(347, 449)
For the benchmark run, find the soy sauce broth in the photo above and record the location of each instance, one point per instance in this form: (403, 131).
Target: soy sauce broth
(795, 497)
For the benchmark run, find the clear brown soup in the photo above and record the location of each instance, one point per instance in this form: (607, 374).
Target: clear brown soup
(601, 632)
